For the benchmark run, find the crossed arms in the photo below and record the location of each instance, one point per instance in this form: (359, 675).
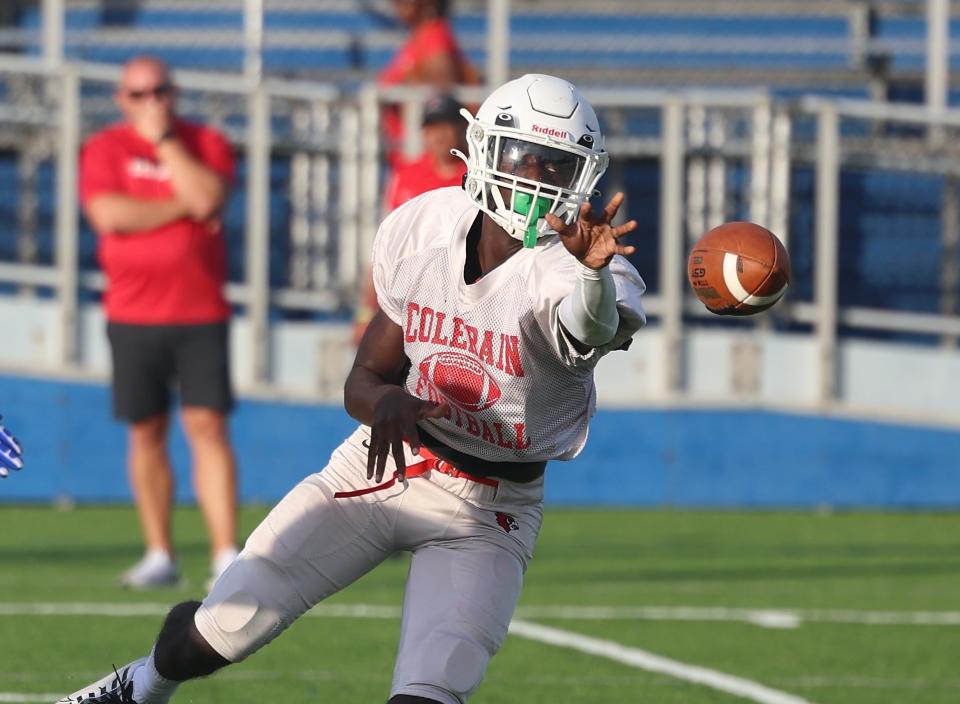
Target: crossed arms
(199, 194)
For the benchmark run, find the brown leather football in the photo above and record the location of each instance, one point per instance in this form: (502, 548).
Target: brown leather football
(738, 268)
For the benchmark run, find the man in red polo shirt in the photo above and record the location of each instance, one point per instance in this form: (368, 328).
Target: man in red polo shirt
(153, 186)
(437, 167)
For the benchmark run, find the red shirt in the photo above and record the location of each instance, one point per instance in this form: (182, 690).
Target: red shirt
(416, 177)
(173, 274)
(429, 39)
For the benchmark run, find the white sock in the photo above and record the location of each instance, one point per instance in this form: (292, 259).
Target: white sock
(158, 555)
(149, 686)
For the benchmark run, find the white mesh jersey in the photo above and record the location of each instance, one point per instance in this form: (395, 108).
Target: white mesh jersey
(494, 349)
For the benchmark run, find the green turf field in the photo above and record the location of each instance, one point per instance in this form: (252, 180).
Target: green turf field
(831, 573)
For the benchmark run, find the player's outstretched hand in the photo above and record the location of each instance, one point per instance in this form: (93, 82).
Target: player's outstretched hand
(395, 420)
(591, 238)
(9, 452)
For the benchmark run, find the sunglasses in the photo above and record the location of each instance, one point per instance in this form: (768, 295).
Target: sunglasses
(163, 90)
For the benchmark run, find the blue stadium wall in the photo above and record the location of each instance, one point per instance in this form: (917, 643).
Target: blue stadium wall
(728, 458)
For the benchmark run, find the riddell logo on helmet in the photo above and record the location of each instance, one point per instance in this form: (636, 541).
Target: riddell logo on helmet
(550, 131)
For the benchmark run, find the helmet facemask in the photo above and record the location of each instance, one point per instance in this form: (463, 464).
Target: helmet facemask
(501, 162)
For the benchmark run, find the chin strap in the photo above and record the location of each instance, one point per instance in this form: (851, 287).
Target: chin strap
(589, 312)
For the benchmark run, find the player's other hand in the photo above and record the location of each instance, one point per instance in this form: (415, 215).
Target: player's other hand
(394, 420)
(10, 452)
(591, 238)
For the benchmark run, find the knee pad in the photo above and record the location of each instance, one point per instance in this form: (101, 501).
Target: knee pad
(463, 666)
(450, 669)
(245, 612)
(234, 611)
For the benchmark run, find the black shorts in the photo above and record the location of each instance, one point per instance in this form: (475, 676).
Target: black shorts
(151, 361)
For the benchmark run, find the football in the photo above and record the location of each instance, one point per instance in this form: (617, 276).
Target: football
(739, 268)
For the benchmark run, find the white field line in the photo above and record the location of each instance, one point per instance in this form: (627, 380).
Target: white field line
(650, 662)
(811, 681)
(633, 657)
(770, 618)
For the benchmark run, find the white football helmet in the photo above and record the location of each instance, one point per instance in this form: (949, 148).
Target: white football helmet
(535, 147)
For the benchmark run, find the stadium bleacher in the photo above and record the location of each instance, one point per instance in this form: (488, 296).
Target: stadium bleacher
(792, 48)
(805, 45)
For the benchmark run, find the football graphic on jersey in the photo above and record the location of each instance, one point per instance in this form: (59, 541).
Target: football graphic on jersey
(461, 379)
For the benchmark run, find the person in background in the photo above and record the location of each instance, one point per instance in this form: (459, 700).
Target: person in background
(153, 187)
(437, 167)
(431, 57)
(10, 453)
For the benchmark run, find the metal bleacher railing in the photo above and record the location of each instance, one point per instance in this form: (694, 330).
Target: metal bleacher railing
(846, 45)
(864, 192)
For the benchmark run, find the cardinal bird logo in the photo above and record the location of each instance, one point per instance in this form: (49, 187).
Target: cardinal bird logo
(507, 522)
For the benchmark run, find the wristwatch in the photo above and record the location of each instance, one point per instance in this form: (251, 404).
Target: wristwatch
(169, 133)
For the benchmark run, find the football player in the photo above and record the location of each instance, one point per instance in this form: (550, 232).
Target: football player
(497, 299)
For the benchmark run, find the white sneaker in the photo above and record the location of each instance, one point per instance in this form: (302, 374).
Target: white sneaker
(115, 688)
(220, 564)
(156, 569)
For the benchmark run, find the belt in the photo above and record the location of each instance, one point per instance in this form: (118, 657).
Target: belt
(428, 463)
(521, 472)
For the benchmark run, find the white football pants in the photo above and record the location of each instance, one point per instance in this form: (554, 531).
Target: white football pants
(471, 543)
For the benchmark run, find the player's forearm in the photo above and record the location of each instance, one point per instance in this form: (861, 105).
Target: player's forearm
(363, 390)
(202, 189)
(117, 213)
(589, 312)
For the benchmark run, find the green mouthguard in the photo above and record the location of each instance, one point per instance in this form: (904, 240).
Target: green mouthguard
(521, 204)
